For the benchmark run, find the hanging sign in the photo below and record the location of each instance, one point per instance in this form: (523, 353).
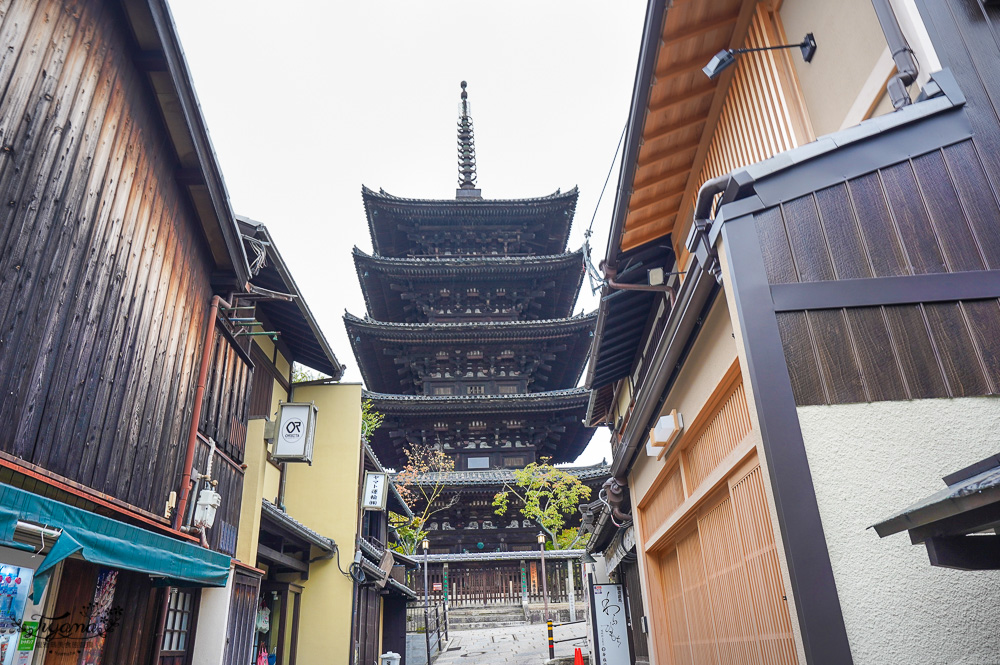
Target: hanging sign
(376, 491)
(296, 430)
(610, 625)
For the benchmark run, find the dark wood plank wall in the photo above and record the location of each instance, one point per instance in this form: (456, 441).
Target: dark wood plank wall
(241, 629)
(226, 406)
(104, 275)
(935, 213)
(229, 474)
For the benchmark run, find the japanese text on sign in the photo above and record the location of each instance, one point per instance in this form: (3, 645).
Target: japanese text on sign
(610, 625)
(374, 496)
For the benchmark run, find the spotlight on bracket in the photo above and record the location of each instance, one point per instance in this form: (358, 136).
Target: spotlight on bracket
(726, 57)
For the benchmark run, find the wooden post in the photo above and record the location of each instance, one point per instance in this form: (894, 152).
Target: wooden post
(572, 592)
(524, 583)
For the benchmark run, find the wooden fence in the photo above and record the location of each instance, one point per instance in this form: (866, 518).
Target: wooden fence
(496, 583)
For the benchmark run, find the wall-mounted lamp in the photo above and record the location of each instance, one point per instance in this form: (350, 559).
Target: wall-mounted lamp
(726, 57)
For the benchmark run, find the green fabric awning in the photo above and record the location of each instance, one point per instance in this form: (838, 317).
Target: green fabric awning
(107, 542)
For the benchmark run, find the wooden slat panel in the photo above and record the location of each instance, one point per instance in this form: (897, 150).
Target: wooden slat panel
(803, 369)
(665, 500)
(957, 352)
(984, 319)
(837, 359)
(881, 371)
(850, 260)
(805, 233)
(916, 352)
(778, 262)
(727, 581)
(697, 600)
(764, 584)
(884, 251)
(978, 198)
(727, 428)
(946, 211)
(676, 614)
(919, 242)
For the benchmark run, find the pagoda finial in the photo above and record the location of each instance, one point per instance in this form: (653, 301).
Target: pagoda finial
(466, 150)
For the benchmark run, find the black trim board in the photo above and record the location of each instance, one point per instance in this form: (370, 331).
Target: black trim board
(872, 292)
(817, 604)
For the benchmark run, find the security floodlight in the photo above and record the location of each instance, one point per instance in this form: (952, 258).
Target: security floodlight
(726, 57)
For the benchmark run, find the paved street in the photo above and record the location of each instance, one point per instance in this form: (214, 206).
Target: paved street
(518, 645)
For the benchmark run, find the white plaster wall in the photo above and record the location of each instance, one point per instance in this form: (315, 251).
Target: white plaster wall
(213, 619)
(868, 461)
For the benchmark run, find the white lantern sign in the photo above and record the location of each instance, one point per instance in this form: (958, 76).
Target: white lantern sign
(296, 430)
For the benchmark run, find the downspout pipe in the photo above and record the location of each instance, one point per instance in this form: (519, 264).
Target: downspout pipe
(199, 398)
(692, 297)
(902, 55)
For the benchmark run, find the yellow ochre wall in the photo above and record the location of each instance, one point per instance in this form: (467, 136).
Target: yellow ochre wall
(261, 478)
(324, 497)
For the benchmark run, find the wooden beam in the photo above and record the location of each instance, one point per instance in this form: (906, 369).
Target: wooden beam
(703, 29)
(676, 191)
(656, 179)
(965, 552)
(667, 153)
(671, 129)
(265, 552)
(681, 99)
(672, 71)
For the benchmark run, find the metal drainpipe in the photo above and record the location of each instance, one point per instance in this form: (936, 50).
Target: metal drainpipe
(199, 398)
(902, 55)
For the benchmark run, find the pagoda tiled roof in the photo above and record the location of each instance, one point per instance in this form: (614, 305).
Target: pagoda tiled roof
(555, 211)
(499, 477)
(370, 340)
(377, 274)
(441, 404)
(556, 416)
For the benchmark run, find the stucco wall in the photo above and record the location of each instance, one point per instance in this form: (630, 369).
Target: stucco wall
(324, 497)
(849, 41)
(869, 461)
(712, 355)
(213, 619)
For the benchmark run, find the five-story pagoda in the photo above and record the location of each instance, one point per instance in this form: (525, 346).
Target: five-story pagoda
(470, 345)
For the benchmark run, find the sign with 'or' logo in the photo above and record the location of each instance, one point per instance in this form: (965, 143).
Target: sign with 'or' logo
(293, 441)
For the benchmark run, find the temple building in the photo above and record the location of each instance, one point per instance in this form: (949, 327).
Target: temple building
(470, 345)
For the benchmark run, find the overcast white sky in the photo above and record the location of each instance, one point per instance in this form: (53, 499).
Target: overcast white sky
(306, 104)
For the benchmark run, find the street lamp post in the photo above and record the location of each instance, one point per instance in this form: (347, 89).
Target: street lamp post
(545, 584)
(427, 632)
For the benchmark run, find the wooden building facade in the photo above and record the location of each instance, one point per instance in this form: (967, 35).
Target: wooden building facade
(127, 371)
(834, 294)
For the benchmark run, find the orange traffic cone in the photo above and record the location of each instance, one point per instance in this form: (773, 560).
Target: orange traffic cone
(578, 657)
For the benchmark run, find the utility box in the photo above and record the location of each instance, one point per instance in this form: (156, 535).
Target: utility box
(389, 658)
(296, 432)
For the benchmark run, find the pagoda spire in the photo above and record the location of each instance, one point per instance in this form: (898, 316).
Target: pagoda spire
(466, 150)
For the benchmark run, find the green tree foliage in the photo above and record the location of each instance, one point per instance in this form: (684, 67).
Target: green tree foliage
(423, 493)
(301, 374)
(546, 495)
(371, 419)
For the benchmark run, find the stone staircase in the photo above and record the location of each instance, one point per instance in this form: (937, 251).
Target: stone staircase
(489, 616)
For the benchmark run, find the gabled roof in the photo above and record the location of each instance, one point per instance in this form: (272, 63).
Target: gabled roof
(300, 332)
(162, 60)
(387, 216)
(558, 275)
(561, 345)
(675, 109)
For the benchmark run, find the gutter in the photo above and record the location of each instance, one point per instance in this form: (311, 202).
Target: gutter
(686, 314)
(651, 32)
